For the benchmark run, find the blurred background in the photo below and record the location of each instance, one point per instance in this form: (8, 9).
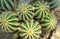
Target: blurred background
(21, 1)
(59, 3)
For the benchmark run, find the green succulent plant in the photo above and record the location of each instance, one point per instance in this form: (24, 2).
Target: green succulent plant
(30, 30)
(8, 22)
(16, 18)
(49, 22)
(7, 4)
(41, 9)
(25, 12)
(53, 3)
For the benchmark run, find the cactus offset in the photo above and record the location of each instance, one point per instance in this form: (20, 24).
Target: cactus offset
(41, 9)
(7, 4)
(49, 22)
(53, 4)
(25, 12)
(9, 22)
(30, 30)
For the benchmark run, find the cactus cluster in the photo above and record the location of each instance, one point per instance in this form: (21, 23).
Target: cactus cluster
(26, 12)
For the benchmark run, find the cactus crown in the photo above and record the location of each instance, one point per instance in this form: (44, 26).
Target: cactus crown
(25, 12)
(41, 8)
(9, 22)
(30, 30)
(49, 22)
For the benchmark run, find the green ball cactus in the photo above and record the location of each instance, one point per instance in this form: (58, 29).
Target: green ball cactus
(30, 30)
(8, 22)
(49, 22)
(17, 18)
(25, 12)
(41, 9)
(53, 4)
(7, 4)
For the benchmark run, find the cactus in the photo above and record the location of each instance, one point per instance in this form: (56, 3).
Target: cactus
(27, 20)
(25, 12)
(49, 22)
(53, 4)
(7, 4)
(41, 9)
(8, 22)
(30, 30)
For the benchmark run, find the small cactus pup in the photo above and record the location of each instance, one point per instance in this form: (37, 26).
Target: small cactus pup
(25, 12)
(8, 22)
(7, 5)
(52, 3)
(30, 30)
(41, 9)
(49, 22)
